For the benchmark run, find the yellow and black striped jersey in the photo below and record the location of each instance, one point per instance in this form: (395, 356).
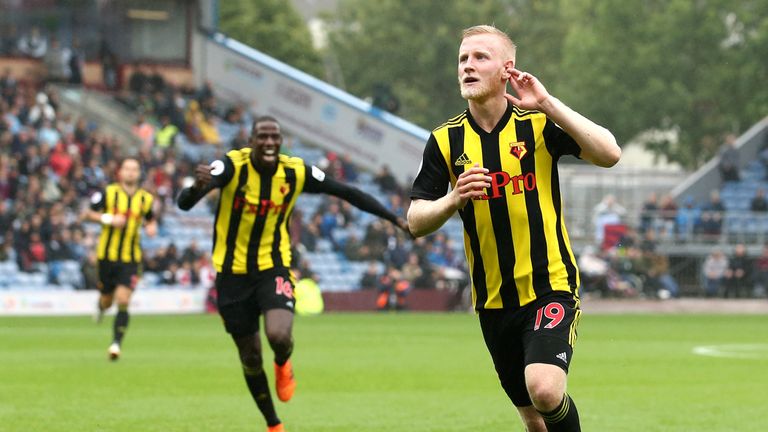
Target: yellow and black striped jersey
(515, 239)
(122, 244)
(254, 209)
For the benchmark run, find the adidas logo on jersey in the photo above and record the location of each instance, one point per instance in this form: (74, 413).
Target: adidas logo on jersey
(563, 356)
(463, 160)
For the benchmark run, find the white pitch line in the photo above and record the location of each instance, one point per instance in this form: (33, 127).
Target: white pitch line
(734, 351)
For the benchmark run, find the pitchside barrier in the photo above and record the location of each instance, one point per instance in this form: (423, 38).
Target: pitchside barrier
(170, 300)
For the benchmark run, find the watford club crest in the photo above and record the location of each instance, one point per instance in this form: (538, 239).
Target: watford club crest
(285, 188)
(518, 149)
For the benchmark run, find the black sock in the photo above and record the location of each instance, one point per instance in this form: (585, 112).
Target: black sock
(257, 384)
(564, 418)
(121, 324)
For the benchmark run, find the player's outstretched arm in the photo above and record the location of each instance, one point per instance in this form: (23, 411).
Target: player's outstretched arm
(357, 198)
(206, 177)
(425, 216)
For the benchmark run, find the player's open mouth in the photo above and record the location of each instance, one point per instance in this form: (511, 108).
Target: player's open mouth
(470, 80)
(269, 152)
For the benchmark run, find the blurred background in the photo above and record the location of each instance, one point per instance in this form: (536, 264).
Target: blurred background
(357, 86)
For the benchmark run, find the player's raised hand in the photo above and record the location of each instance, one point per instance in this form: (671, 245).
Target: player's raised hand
(403, 225)
(529, 90)
(204, 173)
(471, 184)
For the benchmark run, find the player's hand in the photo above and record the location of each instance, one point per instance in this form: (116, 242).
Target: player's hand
(118, 220)
(203, 176)
(471, 184)
(531, 93)
(403, 225)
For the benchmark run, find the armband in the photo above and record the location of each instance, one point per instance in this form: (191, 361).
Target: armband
(107, 218)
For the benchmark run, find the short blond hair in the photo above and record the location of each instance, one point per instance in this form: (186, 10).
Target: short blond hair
(510, 46)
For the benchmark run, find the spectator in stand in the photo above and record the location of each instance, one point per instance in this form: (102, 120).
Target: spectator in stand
(156, 80)
(6, 216)
(167, 134)
(332, 219)
(649, 212)
(376, 238)
(61, 161)
(356, 250)
(9, 39)
(594, 269)
(76, 63)
(729, 160)
(760, 272)
(41, 111)
(710, 225)
(138, 83)
(201, 129)
(660, 282)
(386, 180)
(349, 168)
(8, 86)
(33, 44)
(48, 135)
(240, 140)
(90, 270)
(36, 251)
(759, 203)
(109, 65)
(8, 183)
(56, 61)
(370, 278)
(310, 232)
(191, 253)
(737, 276)
(714, 268)
(668, 215)
(606, 212)
(393, 289)
(144, 130)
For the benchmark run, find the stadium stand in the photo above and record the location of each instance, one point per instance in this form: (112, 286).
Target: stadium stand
(66, 157)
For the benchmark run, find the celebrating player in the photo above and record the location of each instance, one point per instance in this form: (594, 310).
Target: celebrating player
(500, 158)
(121, 208)
(252, 248)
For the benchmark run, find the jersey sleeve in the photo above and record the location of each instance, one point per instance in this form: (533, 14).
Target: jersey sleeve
(432, 180)
(558, 142)
(98, 200)
(222, 171)
(315, 180)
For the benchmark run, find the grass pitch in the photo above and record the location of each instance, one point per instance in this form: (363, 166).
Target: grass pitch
(378, 372)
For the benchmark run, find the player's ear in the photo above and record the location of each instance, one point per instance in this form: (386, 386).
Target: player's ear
(508, 66)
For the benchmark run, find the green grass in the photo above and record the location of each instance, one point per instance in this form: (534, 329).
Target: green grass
(385, 372)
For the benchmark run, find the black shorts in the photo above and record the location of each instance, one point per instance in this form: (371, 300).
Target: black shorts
(243, 297)
(543, 331)
(112, 274)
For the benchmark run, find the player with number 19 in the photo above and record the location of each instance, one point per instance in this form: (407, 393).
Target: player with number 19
(500, 158)
(252, 248)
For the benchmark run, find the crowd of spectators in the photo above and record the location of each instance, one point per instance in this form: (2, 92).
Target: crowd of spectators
(625, 263)
(50, 164)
